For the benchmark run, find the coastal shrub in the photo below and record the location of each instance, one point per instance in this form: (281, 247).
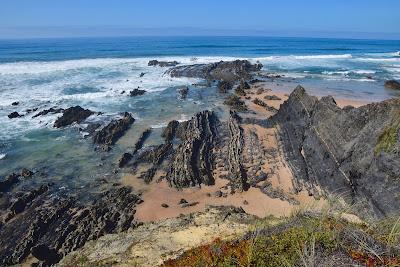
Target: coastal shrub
(388, 139)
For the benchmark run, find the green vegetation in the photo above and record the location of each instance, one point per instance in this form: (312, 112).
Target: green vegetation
(387, 140)
(302, 241)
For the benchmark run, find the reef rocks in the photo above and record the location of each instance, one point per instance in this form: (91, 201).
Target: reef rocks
(392, 84)
(47, 111)
(53, 225)
(73, 114)
(192, 162)
(234, 102)
(229, 71)
(162, 63)
(110, 134)
(8, 182)
(353, 152)
(14, 115)
(126, 157)
(237, 174)
(261, 103)
(136, 92)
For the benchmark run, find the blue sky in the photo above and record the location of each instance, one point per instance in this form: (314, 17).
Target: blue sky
(330, 18)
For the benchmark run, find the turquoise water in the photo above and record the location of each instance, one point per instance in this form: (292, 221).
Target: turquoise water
(93, 72)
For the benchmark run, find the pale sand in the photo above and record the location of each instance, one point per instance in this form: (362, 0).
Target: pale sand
(259, 204)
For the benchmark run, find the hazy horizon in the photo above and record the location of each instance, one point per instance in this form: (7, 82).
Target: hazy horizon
(287, 18)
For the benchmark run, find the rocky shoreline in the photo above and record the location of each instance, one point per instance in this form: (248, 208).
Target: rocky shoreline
(281, 148)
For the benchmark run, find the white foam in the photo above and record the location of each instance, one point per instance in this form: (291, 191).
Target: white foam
(2, 156)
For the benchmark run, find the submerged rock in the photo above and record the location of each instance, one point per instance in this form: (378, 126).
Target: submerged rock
(392, 84)
(16, 103)
(110, 134)
(73, 114)
(8, 182)
(183, 92)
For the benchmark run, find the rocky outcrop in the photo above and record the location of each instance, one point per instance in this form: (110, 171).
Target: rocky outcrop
(126, 157)
(261, 103)
(228, 71)
(352, 152)
(155, 156)
(192, 163)
(110, 134)
(53, 225)
(235, 103)
(169, 132)
(47, 111)
(392, 84)
(237, 175)
(14, 115)
(73, 114)
(162, 63)
(224, 86)
(136, 92)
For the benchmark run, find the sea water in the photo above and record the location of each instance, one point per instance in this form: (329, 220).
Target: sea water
(94, 73)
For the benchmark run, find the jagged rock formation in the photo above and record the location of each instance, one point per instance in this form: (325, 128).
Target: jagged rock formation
(47, 111)
(73, 114)
(228, 71)
(169, 132)
(352, 152)
(110, 134)
(392, 84)
(137, 92)
(162, 63)
(237, 174)
(52, 225)
(192, 163)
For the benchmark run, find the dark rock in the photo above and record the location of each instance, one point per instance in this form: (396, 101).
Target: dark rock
(272, 97)
(14, 115)
(245, 202)
(254, 81)
(164, 205)
(392, 84)
(182, 201)
(240, 89)
(169, 132)
(224, 86)
(54, 224)
(126, 157)
(192, 163)
(142, 74)
(26, 173)
(140, 142)
(218, 193)
(19, 205)
(71, 115)
(229, 71)
(234, 102)
(163, 63)
(47, 111)
(46, 254)
(14, 103)
(136, 92)
(264, 105)
(345, 151)
(183, 92)
(237, 175)
(113, 131)
(8, 182)
(185, 205)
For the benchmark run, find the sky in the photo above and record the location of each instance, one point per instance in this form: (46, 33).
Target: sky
(308, 18)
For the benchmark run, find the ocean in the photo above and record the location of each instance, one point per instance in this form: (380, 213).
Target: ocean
(95, 73)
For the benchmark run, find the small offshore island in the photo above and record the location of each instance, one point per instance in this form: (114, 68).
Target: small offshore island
(256, 155)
